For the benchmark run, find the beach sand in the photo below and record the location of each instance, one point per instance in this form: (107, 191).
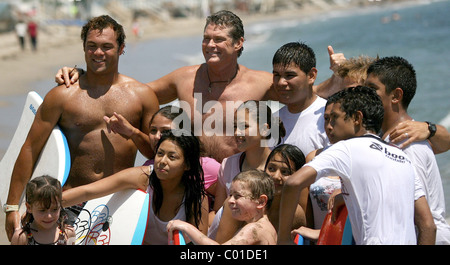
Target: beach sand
(61, 46)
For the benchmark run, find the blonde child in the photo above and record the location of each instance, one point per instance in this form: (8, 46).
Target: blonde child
(43, 223)
(251, 194)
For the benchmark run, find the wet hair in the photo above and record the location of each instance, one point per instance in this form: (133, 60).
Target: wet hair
(355, 68)
(295, 52)
(364, 99)
(259, 183)
(100, 23)
(171, 112)
(230, 20)
(289, 153)
(43, 190)
(192, 178)
(396, 72)
(257, 109)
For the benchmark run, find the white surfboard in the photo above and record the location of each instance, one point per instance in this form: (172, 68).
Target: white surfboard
(54, 159)
(116, 219)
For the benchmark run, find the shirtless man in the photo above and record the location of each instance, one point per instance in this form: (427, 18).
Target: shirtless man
(218, 80)
(81, 111)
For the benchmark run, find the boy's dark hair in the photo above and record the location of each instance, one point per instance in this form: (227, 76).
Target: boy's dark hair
(230, 20)
(100, 23)
(295, 52)
(364, 99)
(396, 72)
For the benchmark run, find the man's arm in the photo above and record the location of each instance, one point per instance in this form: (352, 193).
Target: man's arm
(418, 131)
(45, 120)
(424, 222)
(304, 177)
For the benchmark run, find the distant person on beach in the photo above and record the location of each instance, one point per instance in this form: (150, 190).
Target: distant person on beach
(175, 186)
(394, 79)
(219, 80)
(43, 223)
(251, 195)
(32, 33)
(80, 111)
(21, 32)
(375, 176)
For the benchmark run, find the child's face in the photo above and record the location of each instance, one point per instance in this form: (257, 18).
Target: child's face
(337, 127)
(169, 161)
(246, 132)
(159, 124)
(44, 218)
(243, 206)
(279, 170)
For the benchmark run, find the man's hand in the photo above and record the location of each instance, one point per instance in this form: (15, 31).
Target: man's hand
(12, 223)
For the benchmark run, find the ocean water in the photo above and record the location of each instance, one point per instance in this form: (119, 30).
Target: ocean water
(421, 35)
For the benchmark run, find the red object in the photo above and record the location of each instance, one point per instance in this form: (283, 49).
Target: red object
(331, 233)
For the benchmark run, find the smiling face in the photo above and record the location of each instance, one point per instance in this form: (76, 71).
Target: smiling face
(44, 218)
(247, 134)
(243, 206)
(218, 45)
(102, 51)
(292, 85)
(169, 162)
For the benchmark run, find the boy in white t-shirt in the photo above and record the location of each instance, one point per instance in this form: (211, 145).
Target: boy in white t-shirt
(394, 80)
(294, 73)
(377, 179)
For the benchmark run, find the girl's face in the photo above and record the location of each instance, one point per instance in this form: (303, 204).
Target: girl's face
(243, 206)
(159, 124)
(169, 161)
(44, 218)
(246, 131)
(279, 170)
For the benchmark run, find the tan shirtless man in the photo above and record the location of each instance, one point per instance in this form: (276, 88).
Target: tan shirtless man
(218, 80)
(80, 110)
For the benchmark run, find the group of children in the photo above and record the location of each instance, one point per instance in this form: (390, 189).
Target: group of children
(263, 193)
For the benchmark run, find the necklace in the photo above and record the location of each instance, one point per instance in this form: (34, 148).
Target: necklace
(225, 81)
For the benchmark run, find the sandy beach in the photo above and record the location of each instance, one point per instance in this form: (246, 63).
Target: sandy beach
(61, 46)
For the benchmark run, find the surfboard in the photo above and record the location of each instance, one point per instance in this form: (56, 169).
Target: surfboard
(178, 238)
(337, 233)
(116, 219)
(54, 159)
(300, 240)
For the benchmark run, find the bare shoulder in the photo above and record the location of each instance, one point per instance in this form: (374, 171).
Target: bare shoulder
(256, 75)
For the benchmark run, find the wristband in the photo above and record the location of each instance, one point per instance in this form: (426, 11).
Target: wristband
(10, 208)
(431, 128)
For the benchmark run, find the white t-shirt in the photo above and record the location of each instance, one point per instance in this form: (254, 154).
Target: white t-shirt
(229, 168)
(305, 129)
(319, 193)
(427, 171)
(378, 180)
